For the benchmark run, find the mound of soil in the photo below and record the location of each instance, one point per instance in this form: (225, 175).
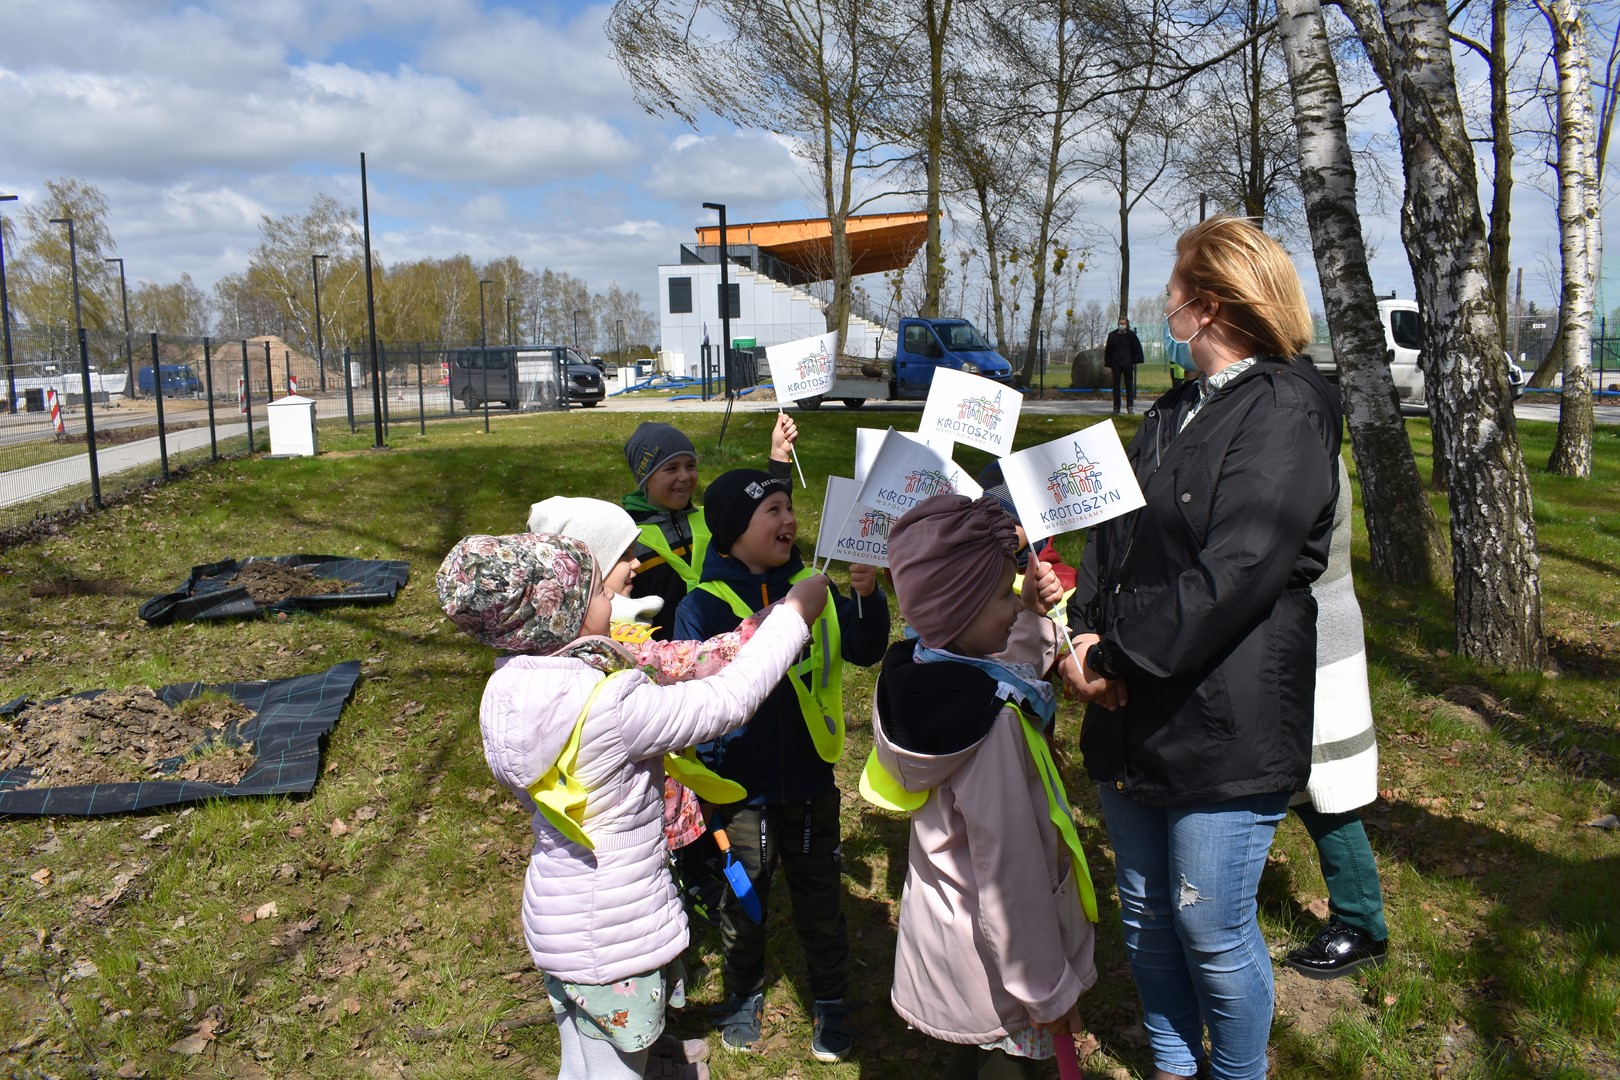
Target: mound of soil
(121, 736)
(270, 582)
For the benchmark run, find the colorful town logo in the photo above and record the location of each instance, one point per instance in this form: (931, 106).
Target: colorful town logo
(876, 523)
(928, 482)
(815, 364)
(1075, 479)
(980, 410)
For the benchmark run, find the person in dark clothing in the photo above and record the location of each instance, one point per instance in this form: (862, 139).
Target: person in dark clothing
(784, 756)
(674, 535)
(1195, 643)
(1121, 353)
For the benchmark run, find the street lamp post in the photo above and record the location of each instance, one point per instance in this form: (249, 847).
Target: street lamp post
(576, 328)
(618, 340)
(320, 355)
(73, 264)
(129, 353)
(84, 364)
(5, 316)
(725, 297)
(483, 335)
(511, 332)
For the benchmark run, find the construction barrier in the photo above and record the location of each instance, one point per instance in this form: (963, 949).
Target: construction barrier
(292, 384)
(241, 395)
(53, 401)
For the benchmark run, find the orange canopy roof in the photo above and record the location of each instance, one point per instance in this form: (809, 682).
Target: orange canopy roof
(877, 242)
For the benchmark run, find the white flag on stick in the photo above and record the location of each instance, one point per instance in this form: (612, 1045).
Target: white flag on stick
(904, 473)
(804, 368)
(851, 532)
(868, 440)
(971, 409)
(1071, 482)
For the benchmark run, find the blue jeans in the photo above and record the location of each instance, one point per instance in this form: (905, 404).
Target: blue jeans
(1187, 881)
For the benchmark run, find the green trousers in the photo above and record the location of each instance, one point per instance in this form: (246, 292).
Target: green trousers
(1348, 868)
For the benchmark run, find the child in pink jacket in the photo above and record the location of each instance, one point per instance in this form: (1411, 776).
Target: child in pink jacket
(577, 728)
(995, 939)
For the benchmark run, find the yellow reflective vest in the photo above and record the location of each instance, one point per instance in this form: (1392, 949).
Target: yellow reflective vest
(881, 788)
(822, 701)
(690, 568)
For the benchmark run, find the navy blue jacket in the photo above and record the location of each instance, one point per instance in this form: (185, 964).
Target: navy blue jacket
(772, 755)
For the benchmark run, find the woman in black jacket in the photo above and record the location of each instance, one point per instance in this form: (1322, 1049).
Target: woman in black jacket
(1195, 633)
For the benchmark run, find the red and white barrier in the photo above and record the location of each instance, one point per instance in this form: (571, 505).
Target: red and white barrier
(241, 395)
(292, 384)
(54, 402)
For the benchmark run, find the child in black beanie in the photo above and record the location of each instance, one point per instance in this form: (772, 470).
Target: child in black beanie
(784, 755)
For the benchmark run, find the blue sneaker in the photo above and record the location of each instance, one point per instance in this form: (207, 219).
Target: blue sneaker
(738, 1019)
(833, 1038)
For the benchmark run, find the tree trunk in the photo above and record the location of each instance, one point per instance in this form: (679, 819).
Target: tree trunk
(1402, 531)
(1501, 164)
(1572, 452)
(1496, 573)
(1124, 240)
(937, 17)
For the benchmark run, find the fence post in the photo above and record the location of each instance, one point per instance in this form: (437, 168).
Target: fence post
(348, 386)
(208, 376)
(157, 386)
(247, 395)
(269, 377)
(382, 387)
(421, 396)
(89, 420)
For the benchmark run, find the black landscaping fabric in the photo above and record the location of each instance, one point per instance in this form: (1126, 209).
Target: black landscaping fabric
(212, 593)
(290, 719)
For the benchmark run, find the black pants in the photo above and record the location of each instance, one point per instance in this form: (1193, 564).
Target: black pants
(803, 838)
(1126, 375)
(972, 1063)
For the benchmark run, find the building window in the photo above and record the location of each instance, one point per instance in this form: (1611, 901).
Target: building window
(680, 295)
(729, 300)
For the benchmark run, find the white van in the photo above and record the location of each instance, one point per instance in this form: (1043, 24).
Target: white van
(1403, 338)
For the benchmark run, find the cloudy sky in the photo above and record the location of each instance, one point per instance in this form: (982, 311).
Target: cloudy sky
(489, 128)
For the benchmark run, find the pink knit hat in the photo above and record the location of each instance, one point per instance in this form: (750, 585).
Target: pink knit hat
(947, 555)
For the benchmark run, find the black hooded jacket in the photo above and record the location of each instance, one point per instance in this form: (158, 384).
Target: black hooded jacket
(773, 755)
(1202, 597)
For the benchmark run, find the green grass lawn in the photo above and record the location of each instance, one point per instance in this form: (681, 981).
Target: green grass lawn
(371, 928)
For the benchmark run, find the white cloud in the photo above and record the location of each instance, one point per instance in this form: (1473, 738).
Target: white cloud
(743, 168)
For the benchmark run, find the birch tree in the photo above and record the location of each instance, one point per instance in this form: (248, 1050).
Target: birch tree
(1406, 543)
(1577, 231)
(1495, 570)
(819, 70)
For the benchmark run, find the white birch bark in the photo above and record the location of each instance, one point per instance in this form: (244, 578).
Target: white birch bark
(1577, 222)
(1406, 542)
(1495, 569)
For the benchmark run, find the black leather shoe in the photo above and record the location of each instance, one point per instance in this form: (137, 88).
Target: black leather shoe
(1337, 950)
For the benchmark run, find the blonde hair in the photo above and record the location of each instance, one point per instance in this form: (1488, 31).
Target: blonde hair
(1229, 260)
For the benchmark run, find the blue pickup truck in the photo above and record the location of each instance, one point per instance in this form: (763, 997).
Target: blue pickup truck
(922, 348)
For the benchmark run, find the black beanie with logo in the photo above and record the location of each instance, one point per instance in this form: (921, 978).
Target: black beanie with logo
(731, 498)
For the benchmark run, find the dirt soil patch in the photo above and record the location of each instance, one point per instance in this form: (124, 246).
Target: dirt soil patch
(113, 436)
(122, 736)
(270, 582)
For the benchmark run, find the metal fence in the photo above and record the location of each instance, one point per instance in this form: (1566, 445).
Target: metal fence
(79, 428)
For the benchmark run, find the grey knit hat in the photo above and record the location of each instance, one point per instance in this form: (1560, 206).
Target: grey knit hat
(652, 444)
